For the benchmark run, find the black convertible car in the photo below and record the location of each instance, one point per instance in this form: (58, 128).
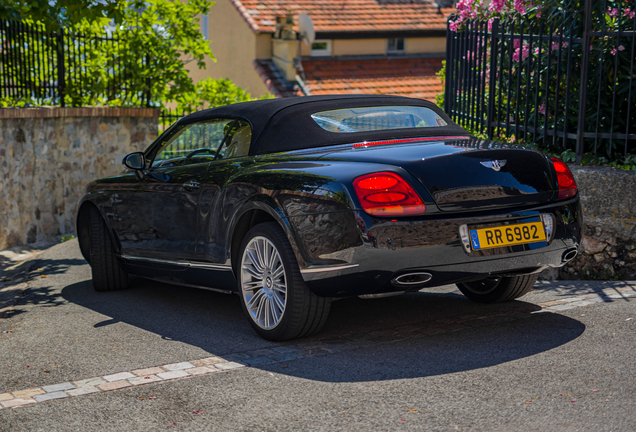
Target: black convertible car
(294, 202)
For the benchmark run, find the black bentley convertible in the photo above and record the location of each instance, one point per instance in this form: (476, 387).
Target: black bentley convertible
(291, 203)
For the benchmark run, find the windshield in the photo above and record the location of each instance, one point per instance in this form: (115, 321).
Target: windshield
(377, 118)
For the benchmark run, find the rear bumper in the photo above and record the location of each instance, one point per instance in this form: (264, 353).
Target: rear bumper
(388, 249)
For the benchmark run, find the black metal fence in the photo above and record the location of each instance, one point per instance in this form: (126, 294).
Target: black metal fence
(43, 67)
(566, 82)
(168, 117)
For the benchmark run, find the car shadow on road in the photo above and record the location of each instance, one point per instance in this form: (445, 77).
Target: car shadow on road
(414, 335)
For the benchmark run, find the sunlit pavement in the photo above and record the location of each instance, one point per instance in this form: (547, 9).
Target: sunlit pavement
(160, 356)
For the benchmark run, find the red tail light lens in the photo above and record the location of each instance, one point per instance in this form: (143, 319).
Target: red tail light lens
(565, 179)
(387, 194)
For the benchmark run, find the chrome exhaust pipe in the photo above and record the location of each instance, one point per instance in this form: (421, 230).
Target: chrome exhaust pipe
(569, 255)
(411, 279)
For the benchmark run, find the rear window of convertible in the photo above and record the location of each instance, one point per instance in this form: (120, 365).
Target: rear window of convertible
(377, 118)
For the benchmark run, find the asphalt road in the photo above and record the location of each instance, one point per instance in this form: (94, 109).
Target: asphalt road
(423, 361)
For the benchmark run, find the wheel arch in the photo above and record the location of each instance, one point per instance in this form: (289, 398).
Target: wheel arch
(254, 212)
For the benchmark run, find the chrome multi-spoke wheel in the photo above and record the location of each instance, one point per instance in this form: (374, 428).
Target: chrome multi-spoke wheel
(274, 296)
(263, 284)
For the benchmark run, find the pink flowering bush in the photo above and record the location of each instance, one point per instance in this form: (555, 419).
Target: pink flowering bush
(535, 83)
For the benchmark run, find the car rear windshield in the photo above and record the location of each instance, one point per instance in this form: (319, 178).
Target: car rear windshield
(377, 118)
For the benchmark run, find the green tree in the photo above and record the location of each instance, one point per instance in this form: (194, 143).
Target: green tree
(155, 40)
(211, 93)
(57, 14)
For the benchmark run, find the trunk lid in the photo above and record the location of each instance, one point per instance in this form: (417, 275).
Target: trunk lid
(467, 174)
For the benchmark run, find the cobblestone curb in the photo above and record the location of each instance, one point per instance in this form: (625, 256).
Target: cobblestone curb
(216, 364)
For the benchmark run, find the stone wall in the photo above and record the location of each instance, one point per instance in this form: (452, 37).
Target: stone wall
(48, 155)
(608, 247)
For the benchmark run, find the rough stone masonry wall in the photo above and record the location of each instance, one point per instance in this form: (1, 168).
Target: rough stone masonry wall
(48, 155)
(608, 247)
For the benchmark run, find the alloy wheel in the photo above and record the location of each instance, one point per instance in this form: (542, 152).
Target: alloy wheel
(263, 284)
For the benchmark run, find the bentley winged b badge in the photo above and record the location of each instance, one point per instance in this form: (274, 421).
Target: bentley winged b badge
(494, 164)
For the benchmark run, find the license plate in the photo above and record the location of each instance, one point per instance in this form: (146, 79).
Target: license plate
(507, 235)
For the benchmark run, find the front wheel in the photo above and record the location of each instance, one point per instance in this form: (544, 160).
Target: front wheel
(108, 275)
(278, 304)
(499, 288)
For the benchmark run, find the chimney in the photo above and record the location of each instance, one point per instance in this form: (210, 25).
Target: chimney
(285, 46)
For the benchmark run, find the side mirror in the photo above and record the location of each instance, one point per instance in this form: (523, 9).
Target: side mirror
(135, 161)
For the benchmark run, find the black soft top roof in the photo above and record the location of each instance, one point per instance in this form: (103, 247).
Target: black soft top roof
(286, 124)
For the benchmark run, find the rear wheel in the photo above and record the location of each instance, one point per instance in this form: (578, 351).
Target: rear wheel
(108, 275)
(499, 288)
(278, 304)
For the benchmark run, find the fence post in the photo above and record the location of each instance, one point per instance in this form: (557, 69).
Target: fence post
(449, 67)
(585, 58)
(61, 83)
(492, 79)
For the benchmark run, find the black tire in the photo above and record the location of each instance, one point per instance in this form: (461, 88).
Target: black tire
(303, 314)
(498, 289)
(108, 275)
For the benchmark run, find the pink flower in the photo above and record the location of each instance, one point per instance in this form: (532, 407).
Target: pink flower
(496, 6)
(521, 52)
(490, 23)
(520, 7)
(542, 109)
(452, 26)
(613, 51)
(621, 48)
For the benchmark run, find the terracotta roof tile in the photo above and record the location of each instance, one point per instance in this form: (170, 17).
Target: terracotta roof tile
(413, 77)
(347, 15)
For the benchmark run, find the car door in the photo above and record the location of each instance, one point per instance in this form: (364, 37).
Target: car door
(220, 197)
(159, 217)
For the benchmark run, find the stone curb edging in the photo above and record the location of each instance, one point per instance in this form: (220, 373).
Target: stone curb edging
(116, 381)
(215, 364)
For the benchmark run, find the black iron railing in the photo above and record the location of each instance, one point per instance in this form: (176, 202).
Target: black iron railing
(564, 83)
(42, 67)
(168, 117)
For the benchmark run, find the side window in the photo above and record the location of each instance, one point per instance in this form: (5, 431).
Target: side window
(238, 141)
(193, 143)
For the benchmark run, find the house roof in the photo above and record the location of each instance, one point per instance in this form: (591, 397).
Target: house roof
(413, 77)
(343, 16)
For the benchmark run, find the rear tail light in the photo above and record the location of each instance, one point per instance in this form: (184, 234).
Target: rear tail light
(387, 194)
(565, 179)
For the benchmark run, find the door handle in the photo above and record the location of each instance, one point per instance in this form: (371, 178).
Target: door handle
(191, 185)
